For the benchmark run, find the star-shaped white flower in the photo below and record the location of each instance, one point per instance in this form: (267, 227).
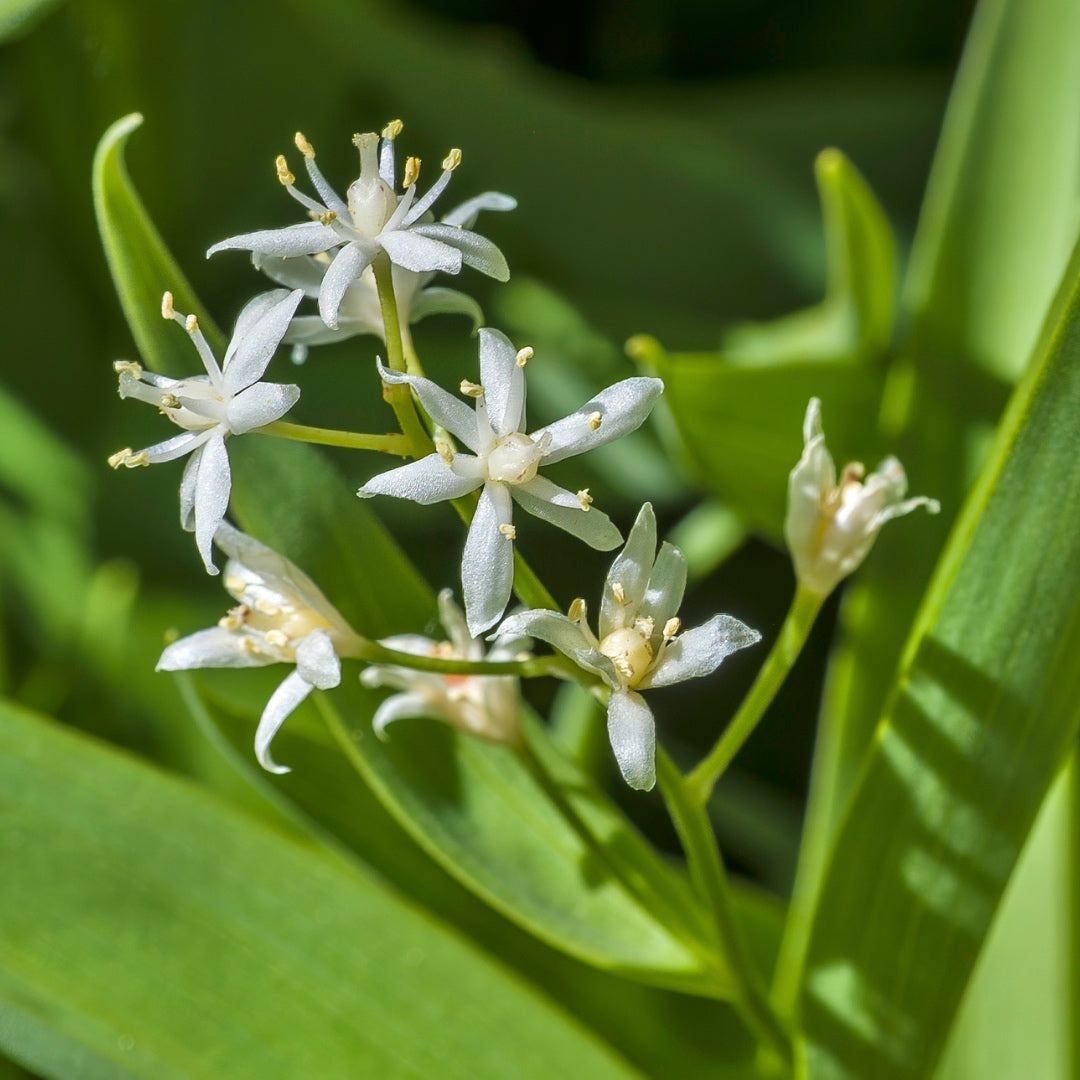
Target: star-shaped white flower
(482, 705)
(372, 218)
(504, 463)
(639, 646)
(360, 311)
(831, 526)
(281, 617)
(228, 400)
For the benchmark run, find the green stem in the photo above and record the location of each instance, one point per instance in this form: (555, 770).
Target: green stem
(412, 359)
(392, 443)
(707, 871)
(785, 650)
(535, 667)
(398, 395)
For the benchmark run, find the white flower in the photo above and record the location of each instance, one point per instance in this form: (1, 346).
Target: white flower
(227, 400)
(831, 526)
(482, 705)
(504, 463)
(639, 646)
(281, 617)
(373, 217)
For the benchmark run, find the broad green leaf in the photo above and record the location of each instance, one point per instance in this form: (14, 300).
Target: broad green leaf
(150, 931)
(651, 1027)
(1001, 209)
(978, 727)
(999, 1033)
(19, 16)
(141, 266)
(856, 316)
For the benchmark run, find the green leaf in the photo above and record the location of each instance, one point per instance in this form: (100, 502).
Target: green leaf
(170, 936)
(1000, 213)
(141, 266)
(1001, 1034)
(977, 729)
(18, 17)
(856, 316)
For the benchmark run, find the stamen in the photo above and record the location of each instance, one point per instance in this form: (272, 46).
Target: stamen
(325, 219)
(278, 638)
(128, 458)
(249, 646)
(444, 451)
(618, 592)
(393, 129)
(167, 309)
(267, 607)
(645, 626)
(229, 622)
(671, 628)
(170, 401)
(412, 172)
(577, 610)
(471, 389)
(452, 160)
(595, 419)
(303, 145)
(285, 178)
(191, 324)
(128, 367)
(508, 531)
(585, 499)
(235, 585)
(524, 355)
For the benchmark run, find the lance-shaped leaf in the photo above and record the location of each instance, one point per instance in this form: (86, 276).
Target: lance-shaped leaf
(976, 730)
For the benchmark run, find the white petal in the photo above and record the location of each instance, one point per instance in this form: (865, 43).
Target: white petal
(475, 250)
(307, 239)
(439, 301)
(213, 648)
(487, 567)
(259, 405)
(503, 380)
(632, 732)
(258, 333)
(303, 272)
(700, 651)
(429, 480)
(177, 446)
(562, 508)
(466, 213)
(622, 408)
(212, 486)
(667, 583)
(418, 253)
(281, 704)
(311, 330)
(187, 491)
(317, 662)
(403, 707)
(630, 571)
(446, 410)
(349, 263)
(570, 638)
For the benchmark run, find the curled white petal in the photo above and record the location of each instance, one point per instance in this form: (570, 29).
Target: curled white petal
(283, 702)
(503, 380)
(628, 578)
(317, 662)
(632, 732)
(429, 480)
(307, 239)
(700, 651)
(563, 509)
(258, 333)
(212, 648)
(487, 567)
(213, 484)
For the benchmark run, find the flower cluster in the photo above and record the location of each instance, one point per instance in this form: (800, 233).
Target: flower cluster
(368, 260)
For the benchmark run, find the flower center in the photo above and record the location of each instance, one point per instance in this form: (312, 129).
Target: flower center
(514, 459)
(269, 621)
(630, 650)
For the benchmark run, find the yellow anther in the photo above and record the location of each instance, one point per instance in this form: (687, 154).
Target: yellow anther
(412, 172)
(229, 622)
(170, 401)
(646, 626)
(127, 367)
(584, 498)
(249, 646)
(191, 324)
(278, 638)
(524, 355)
(303, 146)
(267, 607)
(444, 450)
(577, 610)
(235, 585)
(595, 419)
(452, 160)
(284, 176)
(618, 592)
(508, 531)
(393, 129)
(471, 389)
(671, 628)
(167, 309)
(128, 458)
(325, 219)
